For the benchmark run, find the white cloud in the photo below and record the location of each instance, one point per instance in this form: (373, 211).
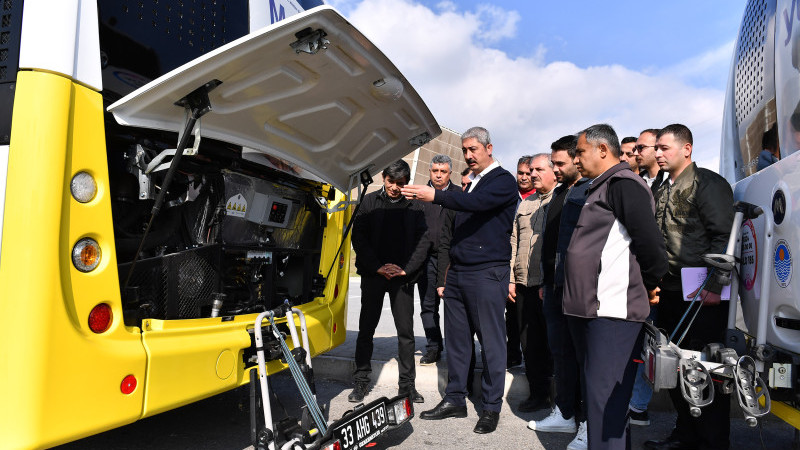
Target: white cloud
(525, 103)
(496, 23)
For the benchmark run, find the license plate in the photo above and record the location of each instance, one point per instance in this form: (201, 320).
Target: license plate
(363, 427)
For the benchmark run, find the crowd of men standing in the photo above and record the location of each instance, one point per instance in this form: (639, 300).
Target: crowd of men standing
(558, 267)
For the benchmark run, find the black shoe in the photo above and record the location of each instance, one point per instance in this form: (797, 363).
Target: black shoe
(640, 418)
(430, 357)
(488, 422)
(534, 404)
(444, 410)
(411, 393)
(359, 391)
(670, 443)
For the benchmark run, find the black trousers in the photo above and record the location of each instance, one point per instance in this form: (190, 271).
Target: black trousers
(566, 370)
(712, 429)
(606, 351)
(429, 306)
(474, 301)
(513, 339)
(401, 299)
(532, 330)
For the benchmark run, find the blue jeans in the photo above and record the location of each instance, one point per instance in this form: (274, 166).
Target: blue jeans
(566, 370)
(642, 392)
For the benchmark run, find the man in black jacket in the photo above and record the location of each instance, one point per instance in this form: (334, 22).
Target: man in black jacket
(435, 215)
(391, 243)
(477, 281)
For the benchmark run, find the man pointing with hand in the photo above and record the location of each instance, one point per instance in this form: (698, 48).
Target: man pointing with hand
(476, 286)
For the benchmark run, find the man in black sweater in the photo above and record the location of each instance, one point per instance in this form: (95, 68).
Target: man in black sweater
(477, 281)
(391, 243)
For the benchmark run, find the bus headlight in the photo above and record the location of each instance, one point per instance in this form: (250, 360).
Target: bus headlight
(83, 187)
(86, 255)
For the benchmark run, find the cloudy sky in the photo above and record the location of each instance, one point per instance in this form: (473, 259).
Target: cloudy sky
(533, 71)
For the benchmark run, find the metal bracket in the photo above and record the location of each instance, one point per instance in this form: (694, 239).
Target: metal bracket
(420, 139)
(310, 41)
(156, 164)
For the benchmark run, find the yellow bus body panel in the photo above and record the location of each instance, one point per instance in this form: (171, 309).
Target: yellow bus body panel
(58, 380)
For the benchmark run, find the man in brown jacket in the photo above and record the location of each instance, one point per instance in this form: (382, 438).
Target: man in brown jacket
(526, 278)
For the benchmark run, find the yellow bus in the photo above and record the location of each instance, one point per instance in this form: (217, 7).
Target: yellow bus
(142, 232)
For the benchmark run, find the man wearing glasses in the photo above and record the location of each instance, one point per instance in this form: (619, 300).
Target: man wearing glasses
(645, 154)
(645, 151)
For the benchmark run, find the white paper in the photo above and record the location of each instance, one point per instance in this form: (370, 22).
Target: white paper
(691, 280)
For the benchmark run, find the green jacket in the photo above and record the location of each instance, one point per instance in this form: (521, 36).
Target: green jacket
(695, 215)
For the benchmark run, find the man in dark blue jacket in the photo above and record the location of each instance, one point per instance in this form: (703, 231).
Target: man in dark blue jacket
(477, 281)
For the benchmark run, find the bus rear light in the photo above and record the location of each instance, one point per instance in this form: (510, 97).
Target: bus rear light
(100, 318)
(399, 411)
(128, 385)
(86, 255)
(336, 291)
(335, 445)
(83, 187)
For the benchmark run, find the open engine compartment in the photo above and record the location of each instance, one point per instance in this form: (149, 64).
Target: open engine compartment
(231, 231)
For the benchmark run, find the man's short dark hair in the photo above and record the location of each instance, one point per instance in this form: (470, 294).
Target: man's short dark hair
(465, 172)
(627, 140)
(653, 131)
(525, 160)
(568, 143)
(681, 132)
(602, 133)
(398, 170)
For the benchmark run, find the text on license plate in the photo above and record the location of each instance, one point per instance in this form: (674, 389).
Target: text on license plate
(363, 428)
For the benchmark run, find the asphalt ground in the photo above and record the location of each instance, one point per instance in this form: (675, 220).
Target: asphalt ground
(222, 422)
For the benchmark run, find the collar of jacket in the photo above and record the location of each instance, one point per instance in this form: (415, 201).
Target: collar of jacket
(686, 174)
(540, 196)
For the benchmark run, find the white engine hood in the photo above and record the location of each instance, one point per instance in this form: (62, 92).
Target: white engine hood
(334, 113)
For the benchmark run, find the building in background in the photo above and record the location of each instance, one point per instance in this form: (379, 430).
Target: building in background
(448, 143)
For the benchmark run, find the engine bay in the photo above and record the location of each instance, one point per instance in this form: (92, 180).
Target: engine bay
(233, 237)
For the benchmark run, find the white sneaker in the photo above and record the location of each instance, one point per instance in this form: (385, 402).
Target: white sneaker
(555, 422)
(581, 441)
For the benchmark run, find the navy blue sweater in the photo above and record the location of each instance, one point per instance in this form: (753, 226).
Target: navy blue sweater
(483, 221)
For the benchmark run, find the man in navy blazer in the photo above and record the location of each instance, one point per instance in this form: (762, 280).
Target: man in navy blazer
(477, 281)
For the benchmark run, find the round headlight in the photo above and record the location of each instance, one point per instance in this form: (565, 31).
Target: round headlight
(83, 187)
(86, 255)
